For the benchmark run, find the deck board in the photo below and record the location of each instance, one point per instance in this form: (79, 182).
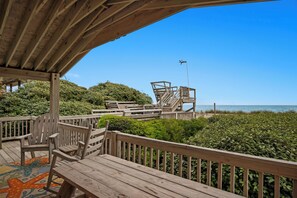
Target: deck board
(120, 177)
(11, 152)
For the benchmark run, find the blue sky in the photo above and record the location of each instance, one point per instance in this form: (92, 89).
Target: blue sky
(239, 54)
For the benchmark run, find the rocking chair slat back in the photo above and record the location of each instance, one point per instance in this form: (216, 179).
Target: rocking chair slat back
(42, 129)
(96, 141)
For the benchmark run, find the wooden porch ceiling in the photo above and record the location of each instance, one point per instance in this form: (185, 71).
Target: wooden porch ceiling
(39, 37)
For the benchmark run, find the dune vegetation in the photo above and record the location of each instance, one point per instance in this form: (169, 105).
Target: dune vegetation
(265, 134)
(33, 98)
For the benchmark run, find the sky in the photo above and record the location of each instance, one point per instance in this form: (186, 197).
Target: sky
(242, 54)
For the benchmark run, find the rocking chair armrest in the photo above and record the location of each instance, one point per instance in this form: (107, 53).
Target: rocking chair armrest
(53, 139)
(22, 139)
(23, 136)
(82, 144)
(64, 156)
(53, 136)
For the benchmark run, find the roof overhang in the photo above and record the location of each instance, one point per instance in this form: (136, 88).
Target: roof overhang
(39, 37)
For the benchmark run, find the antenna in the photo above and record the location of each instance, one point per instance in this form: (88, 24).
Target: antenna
(182, 62)
(185, 62)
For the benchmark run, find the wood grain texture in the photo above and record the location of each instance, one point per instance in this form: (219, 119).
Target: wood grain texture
(116, 175)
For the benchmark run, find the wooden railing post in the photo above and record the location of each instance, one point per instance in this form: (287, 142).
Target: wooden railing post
(114, 143)
(31, 125)
(1, 132)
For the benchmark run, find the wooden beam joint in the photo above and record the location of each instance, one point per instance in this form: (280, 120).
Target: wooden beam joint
(23, 74)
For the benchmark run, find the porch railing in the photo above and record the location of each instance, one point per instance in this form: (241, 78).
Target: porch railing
(203, 164)
(14, 127)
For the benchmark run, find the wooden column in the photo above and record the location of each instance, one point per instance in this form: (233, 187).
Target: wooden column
(54, 96)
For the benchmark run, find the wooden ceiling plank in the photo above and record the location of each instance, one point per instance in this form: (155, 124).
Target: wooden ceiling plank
(66, 4)
(113, 2)
(78, 32)
(108, 13)
(73, 53)
(67, 21)
(41, 32)
(73, 62)
(28, 15)
(4, 14)
(158, 4)
(41, 5)
(23, 74)
(130, 24)
(226, 2)
(88, 8)
(132, 8)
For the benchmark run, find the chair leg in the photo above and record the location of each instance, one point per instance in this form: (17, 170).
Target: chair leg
(22, 158)
(50, 176)
(49, 155)
(32, 154)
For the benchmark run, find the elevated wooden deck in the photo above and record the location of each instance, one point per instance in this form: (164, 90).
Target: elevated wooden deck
(11, 152)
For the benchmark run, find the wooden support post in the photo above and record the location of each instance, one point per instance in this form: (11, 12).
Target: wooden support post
(55, 97)
(10, 88)
(214, 108)
(113, 143)
(19, 84)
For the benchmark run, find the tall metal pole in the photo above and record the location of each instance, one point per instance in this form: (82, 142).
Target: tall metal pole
(185, 62)
(188, 74)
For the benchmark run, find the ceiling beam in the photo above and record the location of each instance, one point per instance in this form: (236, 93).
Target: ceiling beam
(88, 8)
(108, 13)
(130, 9)
(41, 32)
(73, 62)
(66, 4)
(113, 2)
(130, 24)
(158, 4)
(26, 19)
(79, 46)
(41, 5)
(79, 30)
(67, 21)
(23, 74)
(4, 14)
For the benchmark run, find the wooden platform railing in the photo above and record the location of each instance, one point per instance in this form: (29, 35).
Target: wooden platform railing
(81, 120)
(14, 127)
(197, 163)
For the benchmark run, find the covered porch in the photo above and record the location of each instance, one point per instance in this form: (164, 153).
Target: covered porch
(42, 40)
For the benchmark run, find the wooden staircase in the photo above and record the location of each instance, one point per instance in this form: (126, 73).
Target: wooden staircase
(172, 98)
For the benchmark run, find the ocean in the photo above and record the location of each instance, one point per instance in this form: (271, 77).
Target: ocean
(248, 108)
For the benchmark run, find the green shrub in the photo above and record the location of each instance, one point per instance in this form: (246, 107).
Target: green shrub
(264, 134)
(163, 129)
(33, 98)
(119, 92)
(123, 124)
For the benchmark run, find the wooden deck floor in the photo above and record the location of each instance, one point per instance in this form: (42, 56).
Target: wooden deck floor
(11, 152)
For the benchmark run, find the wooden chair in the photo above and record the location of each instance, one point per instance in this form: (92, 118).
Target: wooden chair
(96, 142)
(42, 138)
(91, 146)
(70, 136)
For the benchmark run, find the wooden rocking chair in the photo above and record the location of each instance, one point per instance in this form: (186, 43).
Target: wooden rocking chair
(91, 146)
(42, 138)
